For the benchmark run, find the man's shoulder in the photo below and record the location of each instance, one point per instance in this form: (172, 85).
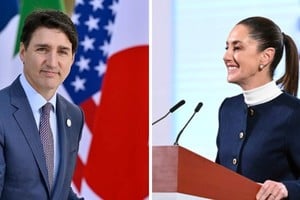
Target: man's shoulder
(14, 87)
(70, 106)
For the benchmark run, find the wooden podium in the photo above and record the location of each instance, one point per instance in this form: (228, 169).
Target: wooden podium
(176, 169)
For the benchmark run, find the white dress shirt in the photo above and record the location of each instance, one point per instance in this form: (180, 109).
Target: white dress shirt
(36, 101)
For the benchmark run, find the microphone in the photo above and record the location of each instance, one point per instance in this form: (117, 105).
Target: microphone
(200, 104)
(175, 107)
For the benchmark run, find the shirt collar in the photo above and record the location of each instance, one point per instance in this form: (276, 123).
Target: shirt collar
(35, 99)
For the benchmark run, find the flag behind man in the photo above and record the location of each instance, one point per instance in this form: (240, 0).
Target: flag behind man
(122, 118)
(10, 64)
(110, 82)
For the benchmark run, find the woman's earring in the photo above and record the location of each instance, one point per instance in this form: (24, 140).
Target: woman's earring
(261, 67)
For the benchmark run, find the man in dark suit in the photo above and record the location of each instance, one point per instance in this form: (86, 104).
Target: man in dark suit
(32, 166)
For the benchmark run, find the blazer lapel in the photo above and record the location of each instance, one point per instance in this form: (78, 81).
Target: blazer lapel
(26, 121)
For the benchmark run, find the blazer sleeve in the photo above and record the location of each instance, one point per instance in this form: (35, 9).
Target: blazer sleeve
(293, 151)
(217, 159)
(2, 161)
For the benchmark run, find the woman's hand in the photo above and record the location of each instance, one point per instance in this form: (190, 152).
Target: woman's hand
(272, 190)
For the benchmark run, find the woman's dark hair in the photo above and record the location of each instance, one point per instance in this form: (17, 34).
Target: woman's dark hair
(268, 34)
(50, 19)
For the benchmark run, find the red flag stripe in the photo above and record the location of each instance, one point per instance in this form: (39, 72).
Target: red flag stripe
(89, 108)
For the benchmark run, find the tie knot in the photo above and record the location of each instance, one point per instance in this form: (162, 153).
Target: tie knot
(46, 108)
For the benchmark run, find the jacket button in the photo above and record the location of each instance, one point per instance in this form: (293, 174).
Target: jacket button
(234, 161)
(251, 112)
(241, 135)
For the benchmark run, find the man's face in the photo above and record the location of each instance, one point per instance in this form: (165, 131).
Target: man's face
(47, 60)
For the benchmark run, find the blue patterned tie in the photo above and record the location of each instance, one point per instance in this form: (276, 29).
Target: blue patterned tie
(47, 140)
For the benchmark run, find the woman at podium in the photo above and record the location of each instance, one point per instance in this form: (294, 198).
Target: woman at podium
(259, 129)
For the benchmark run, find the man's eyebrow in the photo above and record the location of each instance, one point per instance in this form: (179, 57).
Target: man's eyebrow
(41, 45)
(61, 47)
(64, 48)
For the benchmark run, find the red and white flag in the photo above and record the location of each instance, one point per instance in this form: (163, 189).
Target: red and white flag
(110, 81)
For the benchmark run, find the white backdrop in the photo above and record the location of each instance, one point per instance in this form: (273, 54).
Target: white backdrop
(188, 42)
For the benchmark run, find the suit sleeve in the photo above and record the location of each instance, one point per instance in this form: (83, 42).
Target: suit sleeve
(73, 196)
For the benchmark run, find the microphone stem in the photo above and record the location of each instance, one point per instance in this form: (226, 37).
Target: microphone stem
(161, 118)
(178, 136)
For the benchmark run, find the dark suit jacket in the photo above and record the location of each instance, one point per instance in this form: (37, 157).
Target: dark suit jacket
(22, 165)
(263, 141)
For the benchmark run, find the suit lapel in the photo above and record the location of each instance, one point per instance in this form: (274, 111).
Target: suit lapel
(62, 116)
(26, 121)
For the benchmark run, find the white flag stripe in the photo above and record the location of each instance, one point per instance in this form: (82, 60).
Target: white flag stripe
(10, 66)
(131, 24)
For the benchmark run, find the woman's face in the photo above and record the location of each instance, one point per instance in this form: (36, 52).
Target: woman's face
(243, 59)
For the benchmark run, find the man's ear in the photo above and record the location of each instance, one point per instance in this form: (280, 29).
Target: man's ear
(22, 51)
(73, 58)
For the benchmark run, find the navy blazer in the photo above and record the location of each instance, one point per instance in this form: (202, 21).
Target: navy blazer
(262, 142)
(23, 173)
